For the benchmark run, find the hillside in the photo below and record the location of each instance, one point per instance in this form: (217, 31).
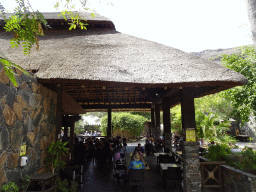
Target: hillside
(208, 53)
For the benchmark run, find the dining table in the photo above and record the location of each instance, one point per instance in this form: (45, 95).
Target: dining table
(164, 167)
(157, 154)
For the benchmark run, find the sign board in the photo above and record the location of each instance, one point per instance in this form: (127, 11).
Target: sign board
(23, 149)
(190, 134)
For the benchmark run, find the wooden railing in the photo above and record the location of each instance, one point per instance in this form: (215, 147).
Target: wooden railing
(177, 156)
(211, 174)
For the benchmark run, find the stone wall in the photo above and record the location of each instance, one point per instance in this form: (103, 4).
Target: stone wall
(27, 115)
(235, 180)
(191, 166)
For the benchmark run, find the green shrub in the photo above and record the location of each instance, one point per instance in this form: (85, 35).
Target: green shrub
(25, 183)
(65, 186)
(124, 123)
(246, 160)
(218, 152)
(10, 187)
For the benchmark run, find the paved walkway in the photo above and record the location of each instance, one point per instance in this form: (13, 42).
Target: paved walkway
(249, 144)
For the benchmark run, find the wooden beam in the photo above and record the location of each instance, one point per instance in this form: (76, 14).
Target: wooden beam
(166, 93)
(188, 108)
(167, 124)
(109, 123)
(58, 111)
(73, 118)
(147, 94)
(86, 100)
(166, 115)
(128, 106)
(71, 139)
(153, 124)
(157, 114)
(65, 132)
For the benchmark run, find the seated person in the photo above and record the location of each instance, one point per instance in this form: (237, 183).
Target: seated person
(160, 145)
(201, 144)
(148, 147)
(79, 153)
(141, 156)
(124, 141)
(140, 148)
(151, 138)
(212, 143)
(137, 163)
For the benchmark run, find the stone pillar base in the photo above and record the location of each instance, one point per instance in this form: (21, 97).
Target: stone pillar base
(191, 166)
(167, 142)
(156, 133)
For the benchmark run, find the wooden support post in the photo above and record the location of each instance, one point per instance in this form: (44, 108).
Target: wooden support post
(109, 123)
(58, 111)
(65, 135)
(190, 149)
(166, 115)
(187, 109)
(157, 114)
(167, 124)
(71, 139)
(153, 124)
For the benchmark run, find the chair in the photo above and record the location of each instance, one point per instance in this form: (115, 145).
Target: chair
(136, 177)
(174, 174)
(74, 168)
(120, 170)
(165, 159)
(237, 132)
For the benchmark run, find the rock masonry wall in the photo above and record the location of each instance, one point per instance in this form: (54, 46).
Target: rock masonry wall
(191, 166)
(235, 180)
(27, 115)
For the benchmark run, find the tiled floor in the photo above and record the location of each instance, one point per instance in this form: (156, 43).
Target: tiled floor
(100, 178)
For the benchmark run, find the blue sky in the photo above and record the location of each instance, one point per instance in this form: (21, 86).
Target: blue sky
(184, 24)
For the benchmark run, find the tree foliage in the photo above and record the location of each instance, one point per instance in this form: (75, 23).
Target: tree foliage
(124, 123)
(212, 114)
(144, 114)
(243, 98)
(9, 67)
(27, 25)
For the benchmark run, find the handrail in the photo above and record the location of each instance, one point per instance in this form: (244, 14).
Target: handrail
(213, 163)
(177, 155)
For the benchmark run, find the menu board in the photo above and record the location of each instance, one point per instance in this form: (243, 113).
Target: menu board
(190, 135)
(23, 150)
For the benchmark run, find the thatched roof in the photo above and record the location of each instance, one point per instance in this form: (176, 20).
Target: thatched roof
(70, 106)
(117, 57)
(101, 68)
(55, 16)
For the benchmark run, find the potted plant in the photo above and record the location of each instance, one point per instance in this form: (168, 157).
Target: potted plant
(57, 151)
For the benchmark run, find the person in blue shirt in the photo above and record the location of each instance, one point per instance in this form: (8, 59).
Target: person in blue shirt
(136, 163)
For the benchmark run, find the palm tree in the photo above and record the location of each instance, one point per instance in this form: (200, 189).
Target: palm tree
(210, 125)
